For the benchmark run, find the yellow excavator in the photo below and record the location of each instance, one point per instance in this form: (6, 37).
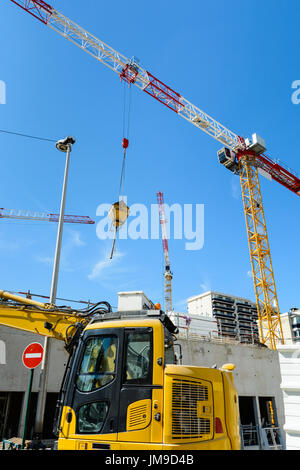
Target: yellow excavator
(123, 388)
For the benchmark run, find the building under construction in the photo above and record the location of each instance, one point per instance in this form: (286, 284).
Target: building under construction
(236, 317)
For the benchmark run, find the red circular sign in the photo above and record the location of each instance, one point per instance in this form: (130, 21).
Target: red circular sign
(33, 355)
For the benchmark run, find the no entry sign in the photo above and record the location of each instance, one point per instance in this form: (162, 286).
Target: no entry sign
(33, 355)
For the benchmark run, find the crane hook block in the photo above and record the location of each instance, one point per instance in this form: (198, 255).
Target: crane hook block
(125, 143)
(118, 213)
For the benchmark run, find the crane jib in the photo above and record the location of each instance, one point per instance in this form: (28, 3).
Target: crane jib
(164, 93)
(37, 8)
(279, 173)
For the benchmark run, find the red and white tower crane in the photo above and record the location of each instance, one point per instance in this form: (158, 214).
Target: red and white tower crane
(168, 275)
(43, 216)
(245, 157)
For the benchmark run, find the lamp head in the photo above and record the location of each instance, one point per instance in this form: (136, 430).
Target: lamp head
(65, 144)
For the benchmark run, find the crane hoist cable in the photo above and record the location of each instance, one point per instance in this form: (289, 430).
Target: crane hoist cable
(125, 144)
(119, 210)
(126, 131)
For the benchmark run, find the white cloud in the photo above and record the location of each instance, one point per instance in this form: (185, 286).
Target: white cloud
(14, 244)
(75, 239)
(47, 260)
(8, 245)
(104, 267)
(72, 240)
(205, 286)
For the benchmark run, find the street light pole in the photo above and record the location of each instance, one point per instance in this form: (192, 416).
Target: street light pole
(65, 146)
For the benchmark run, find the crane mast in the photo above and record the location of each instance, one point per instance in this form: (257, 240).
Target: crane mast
(168, 275)
(262, 270)
(240, 156)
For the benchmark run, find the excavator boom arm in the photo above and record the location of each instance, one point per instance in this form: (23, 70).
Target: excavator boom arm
(60, 323)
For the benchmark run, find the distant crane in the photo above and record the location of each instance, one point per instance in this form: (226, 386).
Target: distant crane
(245, 157)
(43, 216)
(167, 274)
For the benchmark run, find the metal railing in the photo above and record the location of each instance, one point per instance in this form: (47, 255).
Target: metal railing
(250, 436)
(216, 337)
(272, 439)
(261, 438)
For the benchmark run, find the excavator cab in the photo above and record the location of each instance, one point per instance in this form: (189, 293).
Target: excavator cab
(114, 382)
(124, 390)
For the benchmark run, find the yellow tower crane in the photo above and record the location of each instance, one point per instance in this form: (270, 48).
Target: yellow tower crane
(261, 263)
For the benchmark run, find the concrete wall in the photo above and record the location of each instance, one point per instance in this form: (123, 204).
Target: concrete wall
(289, 359)
(257, 371)
(14, 376)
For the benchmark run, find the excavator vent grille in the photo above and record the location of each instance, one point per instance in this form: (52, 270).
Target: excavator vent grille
(138, 415)
(186, 421)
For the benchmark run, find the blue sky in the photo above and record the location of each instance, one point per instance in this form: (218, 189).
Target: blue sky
(234, 60)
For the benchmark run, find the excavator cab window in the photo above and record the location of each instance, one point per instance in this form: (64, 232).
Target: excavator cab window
(138, 359)
(91, 417)
(98, 365)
